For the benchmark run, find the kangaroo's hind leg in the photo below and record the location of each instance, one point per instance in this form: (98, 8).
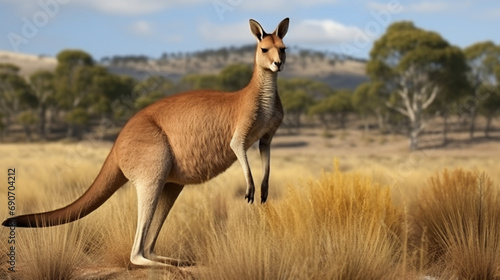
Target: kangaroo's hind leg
(165, 202)
(147, 201)
(146, 160)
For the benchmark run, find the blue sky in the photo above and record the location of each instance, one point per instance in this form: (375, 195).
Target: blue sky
(152, 27)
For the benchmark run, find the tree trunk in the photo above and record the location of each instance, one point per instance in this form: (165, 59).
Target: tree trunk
(366, 124)
(488, 126)
(415, 129)
(42, 127)
(472, 123)
(324, 121)
(27, 130)
(71, 131)
(445, 129)
(50, 120)
(7, 125)
(297, 120)
(381, 122)
(414, 138)
(342, 120)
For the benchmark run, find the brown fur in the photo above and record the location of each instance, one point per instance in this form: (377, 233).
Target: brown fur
(184, 139)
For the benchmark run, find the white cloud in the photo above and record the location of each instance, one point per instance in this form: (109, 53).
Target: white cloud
(422, 7)
(141, 28)
(280, 5)
(226, 33)
(325, 31)
(307, 31)
(131, 7)
(134, 7)
(144, 7)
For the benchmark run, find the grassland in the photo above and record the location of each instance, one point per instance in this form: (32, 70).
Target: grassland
(373, 215)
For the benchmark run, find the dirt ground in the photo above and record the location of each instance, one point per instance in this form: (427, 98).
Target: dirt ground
(358, 143)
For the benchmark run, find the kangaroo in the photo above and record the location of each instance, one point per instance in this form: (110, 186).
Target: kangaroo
(187, 138)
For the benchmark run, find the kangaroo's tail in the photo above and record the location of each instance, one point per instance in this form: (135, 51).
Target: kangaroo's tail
(109, 180)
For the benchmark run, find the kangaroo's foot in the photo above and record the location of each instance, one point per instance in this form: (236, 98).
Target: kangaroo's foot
(140, 261)
(172, 261)
(250, 192)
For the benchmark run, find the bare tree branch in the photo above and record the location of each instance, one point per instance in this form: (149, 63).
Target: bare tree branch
(429, 101)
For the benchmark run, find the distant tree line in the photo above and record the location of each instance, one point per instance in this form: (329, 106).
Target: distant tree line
(224, 53)
(415, 75)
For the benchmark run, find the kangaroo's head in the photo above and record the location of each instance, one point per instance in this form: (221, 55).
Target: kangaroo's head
(270, 53)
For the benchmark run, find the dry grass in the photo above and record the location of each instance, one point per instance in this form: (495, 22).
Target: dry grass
(339, 227)
(458, 216)
(354, 222)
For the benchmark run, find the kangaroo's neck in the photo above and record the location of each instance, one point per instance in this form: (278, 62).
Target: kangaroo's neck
(263, 83)
(262, 90)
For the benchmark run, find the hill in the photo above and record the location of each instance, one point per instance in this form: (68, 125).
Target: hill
(335, 70)
(28, 63)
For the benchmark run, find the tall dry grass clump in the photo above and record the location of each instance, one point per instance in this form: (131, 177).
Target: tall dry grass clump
(342, 226)
(458, 220)
(54, 253)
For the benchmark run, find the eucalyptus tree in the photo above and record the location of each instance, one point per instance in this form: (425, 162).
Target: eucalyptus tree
(73, 76)
(42, 85)
(16, 97)
(416, 66)
(484, 75)
(367, 101)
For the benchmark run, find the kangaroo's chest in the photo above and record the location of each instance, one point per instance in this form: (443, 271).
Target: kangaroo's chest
(268, 117)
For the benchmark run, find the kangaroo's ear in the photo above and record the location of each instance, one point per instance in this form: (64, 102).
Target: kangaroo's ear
(257, 30)
(282, 28)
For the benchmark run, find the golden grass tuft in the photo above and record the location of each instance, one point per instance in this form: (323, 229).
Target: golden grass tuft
(342, 226)
(458, 216)
(48, 252)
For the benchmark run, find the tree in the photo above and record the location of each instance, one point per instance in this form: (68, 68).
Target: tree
(2, 124)
(194, 81)
(105, 89)
(235, 77)
(338, 105)
(73, 78)
(415, 66)
(42, 84)
(484, 62)
(490, 105)
(297, 95)
(77, 118)
(367, 100)
(27, 119)
(15, 94)
(231, 78)
(152, 89)
(295, 103)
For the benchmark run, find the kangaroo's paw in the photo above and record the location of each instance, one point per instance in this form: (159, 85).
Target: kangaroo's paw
(249, 196)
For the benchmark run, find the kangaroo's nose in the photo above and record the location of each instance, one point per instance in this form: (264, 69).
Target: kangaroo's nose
(277, 64)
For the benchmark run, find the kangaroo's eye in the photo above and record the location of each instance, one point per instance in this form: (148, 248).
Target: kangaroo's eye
(264, 50)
